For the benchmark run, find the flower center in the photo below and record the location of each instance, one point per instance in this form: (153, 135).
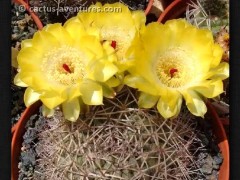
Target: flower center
(120, 39)
(64, 65)
(175, 68)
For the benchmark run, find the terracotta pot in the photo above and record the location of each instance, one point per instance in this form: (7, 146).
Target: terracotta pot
(17, 137)
(149, 6)
(174, 10)
(218, 129)
(222, 141)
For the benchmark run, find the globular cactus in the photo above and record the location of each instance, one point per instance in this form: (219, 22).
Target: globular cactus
(118, 141)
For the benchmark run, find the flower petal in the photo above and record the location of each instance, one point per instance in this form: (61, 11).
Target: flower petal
(91, 47)
(35, 79)
(113, 82)
(39, 41)
(108, 91)
(30, 96)
(171, 97)
(91, 93)
(29, 59)
(18, 81)
(73, 92)
(210, 88)
(139, 18)
(75, 28)
(71, 109)
(51, 99)
(147, 100)
(194, 103)
(47, 112)
(220, 72)
(26, 43)
(116, 17)
(217, 53)
(169, 105)
(141, 84)
(59, 33)
(104, 71)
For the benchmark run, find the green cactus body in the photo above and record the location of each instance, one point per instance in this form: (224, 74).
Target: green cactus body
(117, 141)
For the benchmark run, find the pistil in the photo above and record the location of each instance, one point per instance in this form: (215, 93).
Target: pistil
(114, 44)
(172, 71)
(66, 68)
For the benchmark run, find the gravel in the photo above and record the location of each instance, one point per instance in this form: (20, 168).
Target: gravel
(28, 154)
(209, 161)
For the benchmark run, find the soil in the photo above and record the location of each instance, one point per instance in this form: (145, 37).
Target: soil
(17, 103)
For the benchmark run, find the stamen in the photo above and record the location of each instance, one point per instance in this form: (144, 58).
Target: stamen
(66, 68)
(114, 44)
(172, 71)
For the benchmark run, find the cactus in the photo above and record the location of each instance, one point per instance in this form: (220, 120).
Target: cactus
(196, 15)
(118, 141)
(217, 8)
(211, 14)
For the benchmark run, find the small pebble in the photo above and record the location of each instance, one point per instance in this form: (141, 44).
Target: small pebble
(218, 159)
(215, 166)
(206, 169)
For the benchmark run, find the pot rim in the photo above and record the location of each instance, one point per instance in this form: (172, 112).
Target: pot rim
(32, 13)
(222, 142)
(173, 10)
(17, 131)
(149, 6)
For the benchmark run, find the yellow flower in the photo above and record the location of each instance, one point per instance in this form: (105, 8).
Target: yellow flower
(177, 61)
(116, 25)
(63, 65)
